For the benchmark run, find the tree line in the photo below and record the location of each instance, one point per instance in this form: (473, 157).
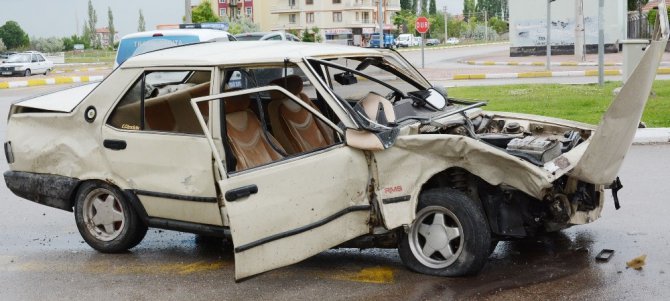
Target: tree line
(13, 37)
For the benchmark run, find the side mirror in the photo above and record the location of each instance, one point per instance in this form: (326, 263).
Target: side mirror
(345, 78)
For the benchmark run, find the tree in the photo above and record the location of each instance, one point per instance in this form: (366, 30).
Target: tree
(91, 23)
(432, 9)
(110, 25)
(203, 13)
(405, 4)
(69, 42)
(424, 7)
(468, 8)
(499, 25)
(51, 44)
(313, 36)
(13, 36)
(140, 22)
(414, 6)
(632, 4)
(651, 16)
(241, 25)
(2, 46)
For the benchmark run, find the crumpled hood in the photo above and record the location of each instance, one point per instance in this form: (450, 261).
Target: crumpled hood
(61, 101)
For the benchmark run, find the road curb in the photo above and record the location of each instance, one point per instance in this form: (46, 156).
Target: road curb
(652, 136)
(448, 47)
(536, 74)
(50, 81)
(59, 70)
(542, 64)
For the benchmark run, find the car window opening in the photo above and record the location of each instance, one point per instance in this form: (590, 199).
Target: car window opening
(160, 101)
(277, 127)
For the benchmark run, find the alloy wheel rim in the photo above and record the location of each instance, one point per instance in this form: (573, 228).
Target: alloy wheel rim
(103, 215)
(436, 237)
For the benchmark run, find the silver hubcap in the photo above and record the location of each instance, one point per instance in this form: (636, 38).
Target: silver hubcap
(435, 237)
(103, 214)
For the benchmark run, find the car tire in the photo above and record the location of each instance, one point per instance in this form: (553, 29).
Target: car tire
(46, 72)
(27, 73)
(105, 218)
(461, 238)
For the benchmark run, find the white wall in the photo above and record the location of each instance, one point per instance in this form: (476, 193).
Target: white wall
(528, 22)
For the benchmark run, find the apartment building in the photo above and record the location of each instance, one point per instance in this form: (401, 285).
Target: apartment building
(340, 21)
(234, 8)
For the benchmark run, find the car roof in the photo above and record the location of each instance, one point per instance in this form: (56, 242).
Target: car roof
(222, 53)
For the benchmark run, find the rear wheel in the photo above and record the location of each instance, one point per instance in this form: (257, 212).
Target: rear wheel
(106, 220)
(449, 236)
(27, 73)
(46, 72)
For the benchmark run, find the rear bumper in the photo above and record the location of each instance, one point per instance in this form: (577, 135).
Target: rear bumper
(46, 189)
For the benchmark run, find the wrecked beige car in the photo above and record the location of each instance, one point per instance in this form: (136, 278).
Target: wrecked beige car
(290, 149)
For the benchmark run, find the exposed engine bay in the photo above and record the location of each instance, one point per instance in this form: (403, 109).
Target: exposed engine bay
(512, 213)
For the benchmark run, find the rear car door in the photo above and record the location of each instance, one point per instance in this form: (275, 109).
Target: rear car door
(300, 201)
(153, 141)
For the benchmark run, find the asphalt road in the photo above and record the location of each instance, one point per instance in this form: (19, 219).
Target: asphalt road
(42, 257)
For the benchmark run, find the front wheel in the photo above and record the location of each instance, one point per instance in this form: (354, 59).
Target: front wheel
(449, 236)
(105, 218)
(27, 73)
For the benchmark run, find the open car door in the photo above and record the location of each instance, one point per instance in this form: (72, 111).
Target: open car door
(288, 210)
(614, 136)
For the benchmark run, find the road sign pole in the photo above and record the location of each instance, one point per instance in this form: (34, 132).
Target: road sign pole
(423, 42)
(422, 26)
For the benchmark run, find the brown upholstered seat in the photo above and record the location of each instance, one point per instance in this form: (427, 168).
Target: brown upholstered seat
(297, 129)
(249, 143)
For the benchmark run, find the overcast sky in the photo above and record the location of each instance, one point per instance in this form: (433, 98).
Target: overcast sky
(45, 18)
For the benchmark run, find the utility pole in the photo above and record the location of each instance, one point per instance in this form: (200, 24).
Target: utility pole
(446, 25)
(580, 38)
(549, 35)
(381, 25)
(187, 11)
(601, 42)
(639, 19)
(486, 25)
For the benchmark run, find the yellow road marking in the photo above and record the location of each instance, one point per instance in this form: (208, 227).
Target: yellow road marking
(4, 85)
(109, 267)
(379, 275)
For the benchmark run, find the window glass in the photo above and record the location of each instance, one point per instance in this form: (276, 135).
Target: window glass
(164, 98)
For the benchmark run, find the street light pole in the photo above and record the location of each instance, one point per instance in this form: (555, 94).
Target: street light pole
(446, 25)
(381, 25)
(549, 35)
(187, 11)
(601, 42)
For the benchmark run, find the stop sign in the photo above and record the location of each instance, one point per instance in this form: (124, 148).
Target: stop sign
(422, 24)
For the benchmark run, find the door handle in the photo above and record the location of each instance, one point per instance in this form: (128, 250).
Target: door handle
(241, 192)
(114, 144)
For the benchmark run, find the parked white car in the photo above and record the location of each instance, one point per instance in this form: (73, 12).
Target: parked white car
(26, 64)
(453, 41)
(288, 171)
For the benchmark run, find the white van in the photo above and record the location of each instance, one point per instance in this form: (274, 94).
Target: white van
(405, 40)
(142, 42)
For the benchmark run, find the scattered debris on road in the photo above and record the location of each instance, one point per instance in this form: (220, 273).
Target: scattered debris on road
(605, 255)
(637, 262)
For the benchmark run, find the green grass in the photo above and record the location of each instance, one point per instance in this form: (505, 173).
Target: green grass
(585, 103)
(90, 56)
